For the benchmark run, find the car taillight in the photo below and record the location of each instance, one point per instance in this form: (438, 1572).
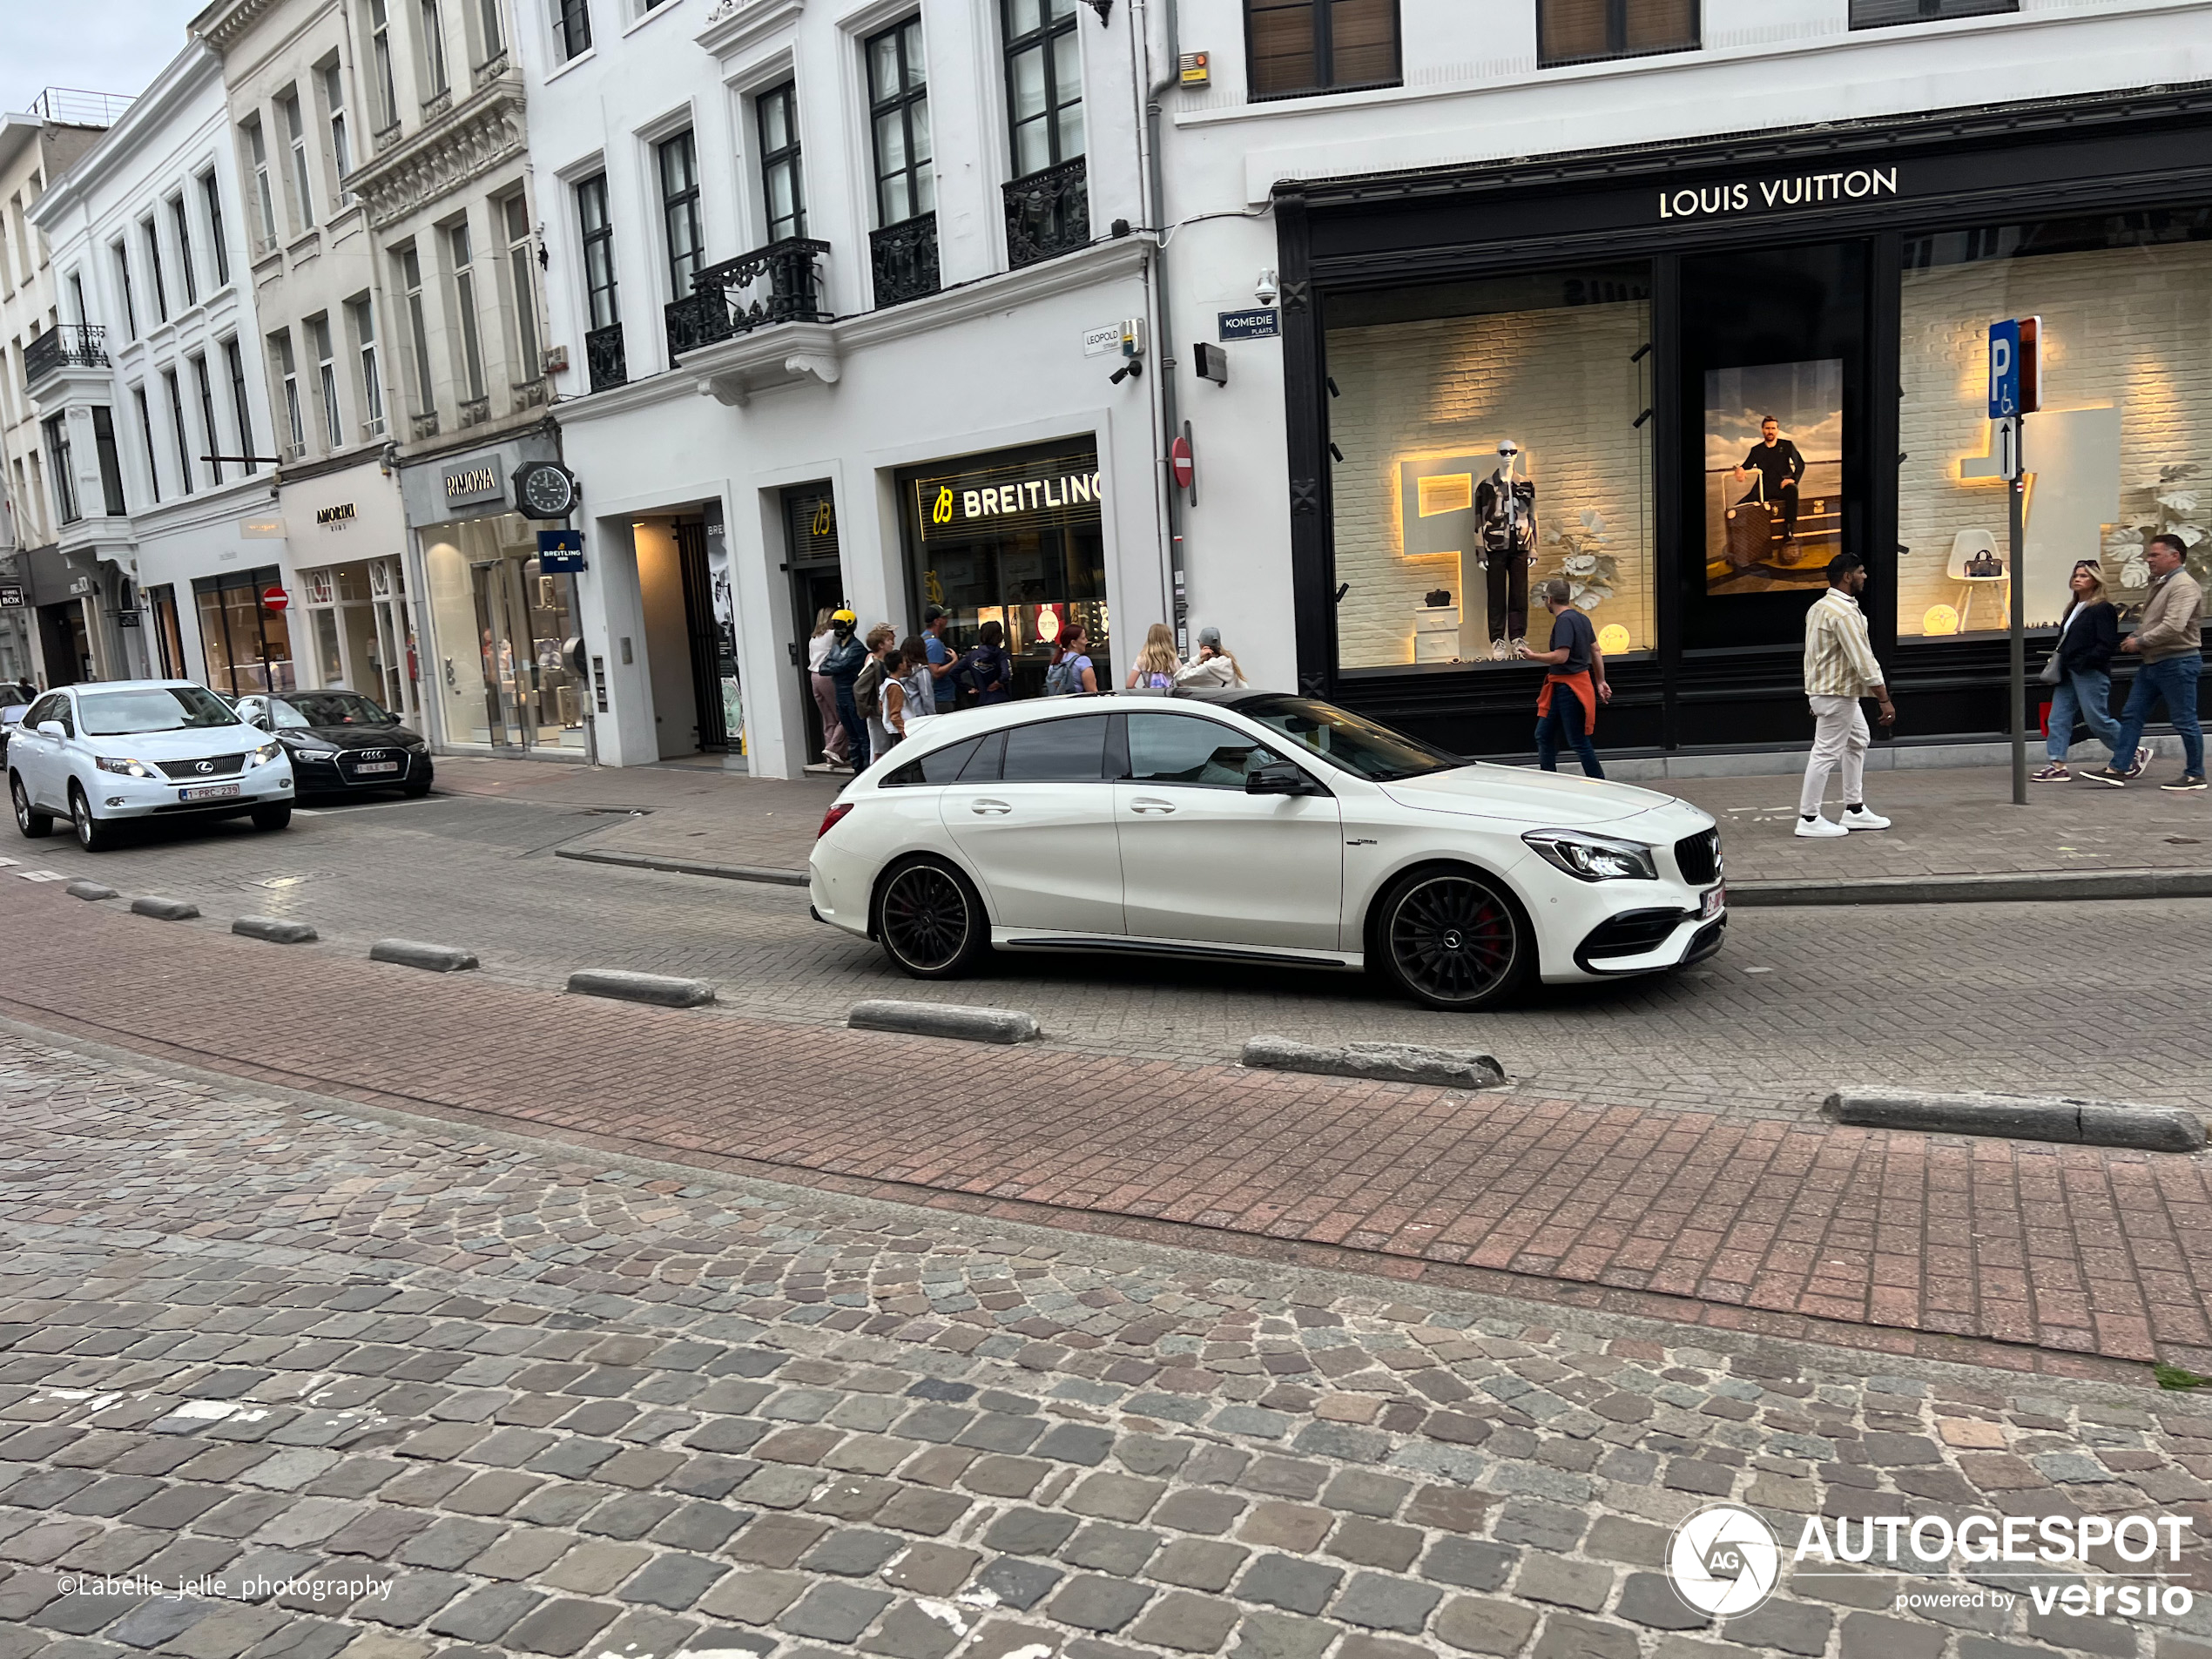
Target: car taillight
(833, 817)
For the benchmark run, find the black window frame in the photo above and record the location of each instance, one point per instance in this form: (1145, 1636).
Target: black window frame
(919, 172)
(1867, 14)
(145, 431)
(211, 191)
(111, 460)
(1322, 18)
(205, 385)
(174, 387)
(234, 362)
(779, 158)
(1040, 40)
(572, 28)
(598, 244)
(680, 201)
(1617, 35)
(60, 464)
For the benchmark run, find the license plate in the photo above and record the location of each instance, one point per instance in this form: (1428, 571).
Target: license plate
(377, 766)
(1715, 902)
(208, 792)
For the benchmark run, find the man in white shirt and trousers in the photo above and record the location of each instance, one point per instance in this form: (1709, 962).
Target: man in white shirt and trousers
(1840, 668)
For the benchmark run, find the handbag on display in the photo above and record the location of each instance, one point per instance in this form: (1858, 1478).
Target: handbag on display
(1749, 530)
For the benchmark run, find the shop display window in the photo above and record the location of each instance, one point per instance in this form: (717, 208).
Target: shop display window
(499, 623)
(1492, 433)
(248, 646)
(2122, 447)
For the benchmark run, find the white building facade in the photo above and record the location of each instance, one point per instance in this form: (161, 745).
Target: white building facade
(155, 405)
(841, 292)
(1615, 235)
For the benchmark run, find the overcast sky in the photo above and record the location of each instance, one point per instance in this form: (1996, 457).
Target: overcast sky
(98, 45)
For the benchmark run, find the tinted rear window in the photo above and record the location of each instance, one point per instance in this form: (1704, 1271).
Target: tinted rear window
(939, 767)
(1056, 751)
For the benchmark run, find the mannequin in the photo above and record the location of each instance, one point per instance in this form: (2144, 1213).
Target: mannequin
(1505, 516)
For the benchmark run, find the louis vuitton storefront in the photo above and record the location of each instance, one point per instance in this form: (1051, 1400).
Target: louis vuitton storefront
(1703, 372)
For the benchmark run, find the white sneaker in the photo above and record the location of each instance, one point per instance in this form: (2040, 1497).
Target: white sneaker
(1859, 819)
(1500, 651)
(1820, 828)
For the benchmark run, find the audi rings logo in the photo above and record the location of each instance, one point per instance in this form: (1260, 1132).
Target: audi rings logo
(1724, 1560)
(370, 754)
(205, 765)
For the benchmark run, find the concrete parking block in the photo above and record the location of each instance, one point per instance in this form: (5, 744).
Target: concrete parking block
(1403, 1062)
(943, 1020)
(2082, 1122)
(274, 929)
(661, 990)
(409, 952)
(82, 889)
(165, 909)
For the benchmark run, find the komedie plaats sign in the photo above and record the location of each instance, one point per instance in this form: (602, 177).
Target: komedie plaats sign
(1725, 1559)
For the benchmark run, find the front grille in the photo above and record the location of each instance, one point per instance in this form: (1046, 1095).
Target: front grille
(1632, 934)
(351, 761)
(192, 772)
(1699, 858)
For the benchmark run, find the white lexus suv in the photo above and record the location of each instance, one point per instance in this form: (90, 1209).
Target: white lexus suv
(1251, 827)
(101, 753)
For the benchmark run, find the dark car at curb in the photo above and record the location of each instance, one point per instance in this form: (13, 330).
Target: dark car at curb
(342, 743)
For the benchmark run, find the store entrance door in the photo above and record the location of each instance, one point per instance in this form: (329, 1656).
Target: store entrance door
(505, 642)
(705, 634)
(817, 586)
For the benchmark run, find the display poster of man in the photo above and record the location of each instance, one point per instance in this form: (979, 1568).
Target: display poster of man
(1774, 474)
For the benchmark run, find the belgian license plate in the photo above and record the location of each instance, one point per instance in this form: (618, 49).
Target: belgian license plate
(377, 766)
(1715, 902)
(208, 792)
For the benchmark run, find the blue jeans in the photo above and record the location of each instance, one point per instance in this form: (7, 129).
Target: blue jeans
(2085, 692)
(2173, 682)
(856, 729)
(1565, 719)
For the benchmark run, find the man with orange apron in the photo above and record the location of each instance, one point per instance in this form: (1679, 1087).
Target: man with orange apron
(1567, 702)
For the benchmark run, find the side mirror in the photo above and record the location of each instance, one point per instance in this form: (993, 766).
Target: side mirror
(52, 729)
(1281, 777)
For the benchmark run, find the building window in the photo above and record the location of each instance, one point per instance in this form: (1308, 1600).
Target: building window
(146, 433)
(598, 250)
(1299, 47)
(257, 151)
(325, 380)
(295, 428)
(379, 51)
(180, 222)
(184, 432)
(153, 269)
(1885, 14)
(1583, 31)
(169, 642)
(205, 388)
(434, 52)
(110, 461)
(295, 134)
(679, 206)
(418, 329)
(783, 185)
(57, 463)
(241, 411)
(1044, 84)
(572, 27)
(362, 314)
(248, 645)
(342, 149)
(521, 248)
(212, 194)
(464, 309)
(488, 25)
(122, 252)
(898, 113)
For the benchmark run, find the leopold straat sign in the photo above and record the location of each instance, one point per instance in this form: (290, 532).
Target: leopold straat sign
(1759, 195)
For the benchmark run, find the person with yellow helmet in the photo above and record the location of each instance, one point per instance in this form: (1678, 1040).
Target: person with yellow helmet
(843, 665)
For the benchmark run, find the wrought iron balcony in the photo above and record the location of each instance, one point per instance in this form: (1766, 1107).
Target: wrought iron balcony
(777, 283)
(71, 344)
(905, 260)
(1047, 213)
(602, 356)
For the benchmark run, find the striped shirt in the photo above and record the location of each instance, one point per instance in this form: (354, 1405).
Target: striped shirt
(1839, 660)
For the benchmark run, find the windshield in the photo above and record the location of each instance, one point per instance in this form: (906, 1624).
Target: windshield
(1359, 745)
(331, 708)
(159, 708)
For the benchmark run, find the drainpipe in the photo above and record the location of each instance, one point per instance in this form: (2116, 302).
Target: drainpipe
(1156, 213)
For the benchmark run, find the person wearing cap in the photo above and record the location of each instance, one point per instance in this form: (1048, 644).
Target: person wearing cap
(1215, 667)
(943, 659)
(843, 664)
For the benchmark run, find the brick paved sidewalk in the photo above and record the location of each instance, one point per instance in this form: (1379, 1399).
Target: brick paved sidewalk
(1759, 1223)
(279, 1383)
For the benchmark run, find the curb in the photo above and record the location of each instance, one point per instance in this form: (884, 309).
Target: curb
(2077, 1123)
(82, 889)
(689, 866)
(943, 1020)
(277, 931)
(658, 989)
(1400, 1062)
(2048, 886)
(437, 959)
(165, 909)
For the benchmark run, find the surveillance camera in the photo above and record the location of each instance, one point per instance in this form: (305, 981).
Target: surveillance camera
(1265, 290)
(1134, 366)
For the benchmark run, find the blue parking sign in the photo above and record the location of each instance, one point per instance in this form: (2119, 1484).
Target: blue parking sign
(2004, 369)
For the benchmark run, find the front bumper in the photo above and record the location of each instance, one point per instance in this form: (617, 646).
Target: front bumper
(337, 776)
(1593, 930)
(115, 795)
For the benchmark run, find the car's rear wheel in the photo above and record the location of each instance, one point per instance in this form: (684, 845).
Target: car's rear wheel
(93, 834)
(32, 822)
(1451, 938)
(272, 818)
(930, 921)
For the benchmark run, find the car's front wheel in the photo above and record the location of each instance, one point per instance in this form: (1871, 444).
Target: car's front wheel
(32, 822)
(272, 818)
(1451, 938)
(93, 834)
(930, 921)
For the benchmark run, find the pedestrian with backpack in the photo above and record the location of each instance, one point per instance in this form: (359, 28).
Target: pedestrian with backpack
(989, 669)
(1072, 673)
(867, 687)
(1156, 665)
(841, 664)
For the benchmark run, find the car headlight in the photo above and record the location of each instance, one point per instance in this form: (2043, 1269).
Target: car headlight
(268, 752)
(1593, 858)
(314, 754)
(127, 767)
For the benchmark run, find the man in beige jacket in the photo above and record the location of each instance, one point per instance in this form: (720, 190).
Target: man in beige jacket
(2169, 637)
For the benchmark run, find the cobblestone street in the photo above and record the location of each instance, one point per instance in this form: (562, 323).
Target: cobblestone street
(376, 1388)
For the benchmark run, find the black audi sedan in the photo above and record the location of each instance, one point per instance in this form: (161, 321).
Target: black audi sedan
(342, 743)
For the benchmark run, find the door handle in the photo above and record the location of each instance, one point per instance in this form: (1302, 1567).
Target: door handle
(1151, 804)
(989, 808)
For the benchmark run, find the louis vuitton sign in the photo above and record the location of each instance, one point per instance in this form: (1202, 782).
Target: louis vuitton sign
(1764, 195)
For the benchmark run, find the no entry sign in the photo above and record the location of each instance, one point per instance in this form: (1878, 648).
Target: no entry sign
(273, 599)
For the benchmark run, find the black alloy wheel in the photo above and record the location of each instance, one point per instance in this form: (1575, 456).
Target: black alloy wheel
(930, 921)
(1452, 940)
(32, 822)
(92, 834)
